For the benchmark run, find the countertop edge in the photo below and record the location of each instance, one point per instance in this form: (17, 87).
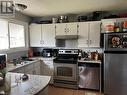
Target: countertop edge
(17, 67)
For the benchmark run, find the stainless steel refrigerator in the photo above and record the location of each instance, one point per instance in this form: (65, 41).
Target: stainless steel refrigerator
(115, 64)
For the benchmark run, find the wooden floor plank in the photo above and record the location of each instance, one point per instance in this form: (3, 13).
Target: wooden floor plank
(65, 91)
(79, 92)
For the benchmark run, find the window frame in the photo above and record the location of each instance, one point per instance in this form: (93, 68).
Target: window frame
(10, 38)
(26, 37)
(7, 35)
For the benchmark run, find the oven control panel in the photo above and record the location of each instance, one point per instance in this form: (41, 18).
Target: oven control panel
(68, 51)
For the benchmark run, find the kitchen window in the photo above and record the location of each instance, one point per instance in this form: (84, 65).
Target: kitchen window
(4, 44)
(12, 35)
(17, 36)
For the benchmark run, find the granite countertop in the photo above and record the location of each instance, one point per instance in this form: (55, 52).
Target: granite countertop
(89, 61)
(43, 58)
(32, 86)
(11, 66)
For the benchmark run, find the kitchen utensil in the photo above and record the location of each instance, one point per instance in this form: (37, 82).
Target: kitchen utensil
(25, 77)
(54, 20)
(63, 19)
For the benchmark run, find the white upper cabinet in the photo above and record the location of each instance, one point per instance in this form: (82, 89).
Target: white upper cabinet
(60, 29)
(89, 34)
(63, 29)
(48, 35)
(83, 34)
(35, 35)
(94, 34)
(71, 28)
(42, 35)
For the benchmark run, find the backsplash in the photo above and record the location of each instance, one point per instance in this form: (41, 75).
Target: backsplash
(67, 43)
(15, 55)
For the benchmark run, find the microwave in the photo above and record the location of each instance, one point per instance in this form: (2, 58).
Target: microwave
(2, 61)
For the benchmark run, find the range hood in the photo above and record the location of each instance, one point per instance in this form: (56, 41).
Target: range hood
(67, 37)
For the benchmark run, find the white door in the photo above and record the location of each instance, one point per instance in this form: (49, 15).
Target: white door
(83, 31)
(71, 29)
(48, 35)
(35, 35)
(61, 29)
(94, 34)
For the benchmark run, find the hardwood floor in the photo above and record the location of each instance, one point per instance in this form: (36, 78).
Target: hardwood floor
(65, 91)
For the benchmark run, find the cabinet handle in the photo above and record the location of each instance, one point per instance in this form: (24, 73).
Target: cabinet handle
(87, 42)
(90, 42)
(68, 29)
(40, 42)
(65, 30)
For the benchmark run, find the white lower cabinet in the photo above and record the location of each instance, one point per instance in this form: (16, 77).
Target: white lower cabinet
(29, 72)
(20, 70)
(48, 69)
(37, 68)
(32, 68)
(41, 67)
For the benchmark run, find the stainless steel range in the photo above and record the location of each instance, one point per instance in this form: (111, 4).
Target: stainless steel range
(65, 68)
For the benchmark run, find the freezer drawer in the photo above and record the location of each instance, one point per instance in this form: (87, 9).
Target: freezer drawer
(115, 73)
(89, 77)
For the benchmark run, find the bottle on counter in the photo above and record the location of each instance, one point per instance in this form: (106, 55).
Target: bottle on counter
(30, 52)
(79, 55)
(89, 55)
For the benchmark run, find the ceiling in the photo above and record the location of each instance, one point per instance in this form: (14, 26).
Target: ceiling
(38, 8)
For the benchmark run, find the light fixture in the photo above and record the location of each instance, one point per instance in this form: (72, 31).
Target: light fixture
(19, 7)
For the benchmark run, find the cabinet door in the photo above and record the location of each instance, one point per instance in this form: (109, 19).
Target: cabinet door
(48, 69)
(61, 29)
(83, 34)
(94, 34)
(29, 68)
(35, 35)
(71, 29)
(37, 68)
(48, 35)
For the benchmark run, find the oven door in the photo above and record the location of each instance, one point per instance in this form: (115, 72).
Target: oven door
(65, 71)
